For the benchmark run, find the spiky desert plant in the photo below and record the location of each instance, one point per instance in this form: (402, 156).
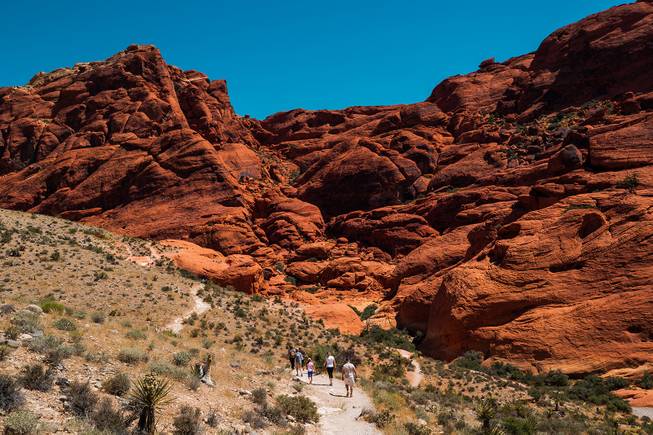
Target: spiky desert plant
(148, 397)
(486, 410)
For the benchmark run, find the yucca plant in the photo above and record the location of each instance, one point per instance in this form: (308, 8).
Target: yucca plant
(486, 410)
(147, 398)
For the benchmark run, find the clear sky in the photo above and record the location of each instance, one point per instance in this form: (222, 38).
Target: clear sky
(278, 55)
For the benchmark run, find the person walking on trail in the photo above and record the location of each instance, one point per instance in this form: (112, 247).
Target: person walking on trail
(309, 370)
(291, 358)
(349, 377)
(330, 364)
(299, 362)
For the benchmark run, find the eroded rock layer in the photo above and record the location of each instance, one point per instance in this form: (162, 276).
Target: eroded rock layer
(510, 213)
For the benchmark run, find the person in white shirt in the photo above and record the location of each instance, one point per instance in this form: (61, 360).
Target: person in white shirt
(330, 364)
(349, 376)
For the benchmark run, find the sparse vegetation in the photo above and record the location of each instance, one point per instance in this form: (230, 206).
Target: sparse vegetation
(118, 384)
(81, 398)
(301, 408)
(21, 423)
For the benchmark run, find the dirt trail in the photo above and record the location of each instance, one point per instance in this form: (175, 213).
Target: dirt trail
(338, 414)
(199, 307)
(415, 376)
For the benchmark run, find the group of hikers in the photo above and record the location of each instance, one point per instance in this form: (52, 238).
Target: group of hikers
(300, 361)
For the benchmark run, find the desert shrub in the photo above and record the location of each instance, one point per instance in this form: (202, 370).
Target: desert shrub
(107, 418)
(64, 324)
(10, 395)
(181, 359)
(118, 384)
(51, 347)
(254, 419)
(367, 312)
(519, 425)
(188, 421)
(81, 398)
(598, 391)
(390, 368)
(167, 369)
(26, 321)
(390, 338)
(470, 360)
(132, 356)
(21, 423)
(629, 182)
(136, 334)
(646, 381)
(301, 408)
(416, 429)
(5, 351)
(555, 378)
(37, 377)
(147, 399)
(51, 306)
(380, 419)
(509, 371)
(212, 418)
(98, 317)
(260, 396)
(193, 383)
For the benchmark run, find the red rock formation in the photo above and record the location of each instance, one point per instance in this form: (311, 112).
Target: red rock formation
(510, 213)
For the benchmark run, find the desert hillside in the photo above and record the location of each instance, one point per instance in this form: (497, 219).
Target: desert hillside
(106, 312)
(508, 214)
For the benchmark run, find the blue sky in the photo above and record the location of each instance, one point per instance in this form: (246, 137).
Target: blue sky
(278, 55)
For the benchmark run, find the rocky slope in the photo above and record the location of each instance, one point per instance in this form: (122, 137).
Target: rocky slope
(509, 213)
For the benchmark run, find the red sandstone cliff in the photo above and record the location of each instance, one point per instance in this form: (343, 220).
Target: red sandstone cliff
(510, 213)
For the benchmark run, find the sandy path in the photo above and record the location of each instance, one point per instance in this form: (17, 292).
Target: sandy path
(643, 411)
(339, 414)
(199, 307)
(415, 376)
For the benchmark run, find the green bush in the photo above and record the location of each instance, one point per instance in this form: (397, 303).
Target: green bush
(380, 419)
(132, 356)
(390, 368)
(64, 324)
(52, 347)
(26, 321)
(181, 359)
(118, 384)
(136, 334)
(52, 306)
(598, 391)
(470, 360)
(519, 426)
(301, 408)
(646, 382)
(21, 423)
(416, 429)
(167, 369)
(367, 312)
(630, 182)
(390, 337)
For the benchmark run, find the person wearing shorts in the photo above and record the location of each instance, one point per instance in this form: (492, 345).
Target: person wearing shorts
(349, 376)
(330, 364)
(309, 370)
(299, 362)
